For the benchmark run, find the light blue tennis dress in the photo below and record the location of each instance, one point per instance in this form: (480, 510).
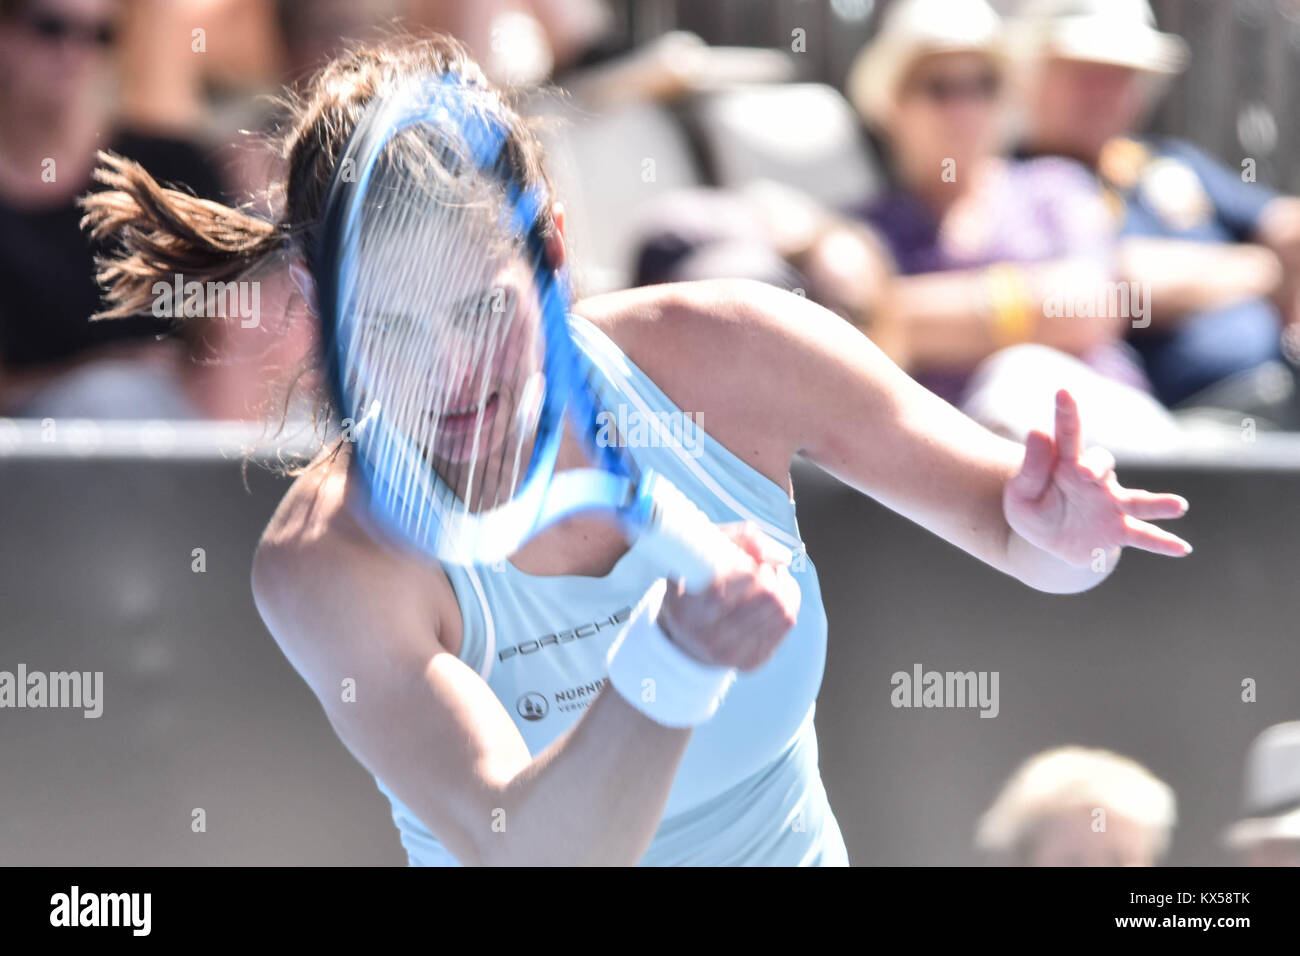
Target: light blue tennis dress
(748, 790)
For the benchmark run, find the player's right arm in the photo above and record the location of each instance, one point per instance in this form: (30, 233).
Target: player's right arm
(343, 609)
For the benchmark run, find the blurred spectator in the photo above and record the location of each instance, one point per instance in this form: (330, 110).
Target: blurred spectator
(773, 234)
(311, 31)
(175, 54)
(575, 44)
(1269, 832)
(56, 62)
(1219, 254)
(1077, 807)
(705, 233)
(522, 42)
(995, 253)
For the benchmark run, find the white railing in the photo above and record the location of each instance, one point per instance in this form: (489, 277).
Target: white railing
(82, 438)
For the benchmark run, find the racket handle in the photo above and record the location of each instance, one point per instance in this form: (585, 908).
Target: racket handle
(680, 537)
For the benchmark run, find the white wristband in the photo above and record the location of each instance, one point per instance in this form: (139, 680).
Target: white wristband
(657, 677)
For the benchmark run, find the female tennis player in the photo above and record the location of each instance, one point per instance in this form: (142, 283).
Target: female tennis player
(487, 700)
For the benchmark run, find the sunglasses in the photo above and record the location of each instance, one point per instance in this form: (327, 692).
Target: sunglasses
(53, 28)
(945, 89)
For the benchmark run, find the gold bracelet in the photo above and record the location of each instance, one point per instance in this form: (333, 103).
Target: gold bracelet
(1008, 296)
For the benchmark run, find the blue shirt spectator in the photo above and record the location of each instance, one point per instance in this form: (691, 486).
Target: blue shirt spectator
(1179, 192)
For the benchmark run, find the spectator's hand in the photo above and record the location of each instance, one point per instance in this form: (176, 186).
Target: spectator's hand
(1182, 277)
(1067, 288)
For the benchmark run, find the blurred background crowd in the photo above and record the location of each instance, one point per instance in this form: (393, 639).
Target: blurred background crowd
(1074, 806)
(1006, 201)
(1007, 198)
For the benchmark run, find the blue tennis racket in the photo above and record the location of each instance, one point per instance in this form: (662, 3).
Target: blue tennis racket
(449, 350)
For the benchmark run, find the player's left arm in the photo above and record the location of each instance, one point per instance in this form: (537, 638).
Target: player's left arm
(1049, 513)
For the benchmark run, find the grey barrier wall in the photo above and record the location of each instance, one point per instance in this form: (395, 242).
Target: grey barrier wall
(202, 713)
(1151, 663)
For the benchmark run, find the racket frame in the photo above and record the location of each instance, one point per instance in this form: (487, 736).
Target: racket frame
(544, 496)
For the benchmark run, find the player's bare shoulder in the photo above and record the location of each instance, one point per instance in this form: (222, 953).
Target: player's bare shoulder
(317, 565)
(631, 317)
(716, 350)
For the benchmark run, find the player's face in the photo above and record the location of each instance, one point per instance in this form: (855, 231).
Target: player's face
(454, 355)
(485, 382)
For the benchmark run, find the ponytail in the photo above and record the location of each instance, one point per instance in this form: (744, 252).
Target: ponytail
(161, 232)
(157, 233)
(164, 232)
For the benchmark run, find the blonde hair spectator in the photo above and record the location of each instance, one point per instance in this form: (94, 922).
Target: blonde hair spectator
(1078, 806)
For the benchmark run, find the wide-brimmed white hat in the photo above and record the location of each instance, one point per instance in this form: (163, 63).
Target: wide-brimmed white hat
(1118, 32)
(909, 30)
(1272, 794)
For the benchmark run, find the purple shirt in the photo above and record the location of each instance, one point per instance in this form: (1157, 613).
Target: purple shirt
(1029, 211)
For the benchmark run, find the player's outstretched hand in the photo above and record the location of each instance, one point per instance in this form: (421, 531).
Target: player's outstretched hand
(1069, 502)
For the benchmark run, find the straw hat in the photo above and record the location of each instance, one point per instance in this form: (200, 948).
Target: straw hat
(909, 30)
(1118, 32)
(1272, 796)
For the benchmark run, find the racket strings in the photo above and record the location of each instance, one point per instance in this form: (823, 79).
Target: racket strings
(444, 344)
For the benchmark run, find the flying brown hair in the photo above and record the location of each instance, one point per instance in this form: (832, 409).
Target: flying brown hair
(157, 232)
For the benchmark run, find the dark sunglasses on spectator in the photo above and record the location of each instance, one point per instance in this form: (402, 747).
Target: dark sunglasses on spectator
(943, 90)
(54, 28)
